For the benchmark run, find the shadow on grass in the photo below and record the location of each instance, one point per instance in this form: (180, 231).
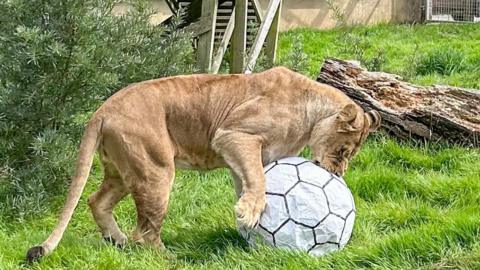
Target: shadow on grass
(198, 247)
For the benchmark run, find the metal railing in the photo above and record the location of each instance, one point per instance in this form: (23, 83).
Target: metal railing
(453, 10)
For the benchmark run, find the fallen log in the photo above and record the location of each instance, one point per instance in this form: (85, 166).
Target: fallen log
(438, 113)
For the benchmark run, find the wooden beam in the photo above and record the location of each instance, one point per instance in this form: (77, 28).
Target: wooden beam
(258, 10)
(202, 26)
(239, 43)
(272, 36)
(206, 39)
(262, 34)
(217, 59)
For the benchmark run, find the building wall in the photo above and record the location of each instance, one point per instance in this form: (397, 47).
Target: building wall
(316, 13)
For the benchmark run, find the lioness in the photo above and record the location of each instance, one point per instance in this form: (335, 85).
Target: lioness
(146, 130)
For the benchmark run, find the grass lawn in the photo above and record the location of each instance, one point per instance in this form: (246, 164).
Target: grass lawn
(418, 204)
(403, 47)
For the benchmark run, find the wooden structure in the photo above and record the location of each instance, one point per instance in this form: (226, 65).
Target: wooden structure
(408, 111)
(216, 24)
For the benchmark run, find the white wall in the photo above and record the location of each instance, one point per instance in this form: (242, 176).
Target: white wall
(316, 13)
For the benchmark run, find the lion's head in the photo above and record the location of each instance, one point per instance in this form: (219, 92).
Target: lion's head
(336, 139)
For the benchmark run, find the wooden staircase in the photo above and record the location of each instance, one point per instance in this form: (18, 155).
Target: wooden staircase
(224, 13)
(191, 12)
(240, 24)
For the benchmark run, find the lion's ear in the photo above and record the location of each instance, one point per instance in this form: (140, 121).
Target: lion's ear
(374, 119)
(346, 119)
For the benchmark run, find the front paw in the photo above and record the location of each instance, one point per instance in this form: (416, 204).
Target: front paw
(119, 240)
(249, 208)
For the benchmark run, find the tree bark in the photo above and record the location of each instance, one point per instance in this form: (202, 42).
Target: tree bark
(437, 113)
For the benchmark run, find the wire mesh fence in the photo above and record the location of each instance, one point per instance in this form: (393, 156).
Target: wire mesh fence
(453, 10)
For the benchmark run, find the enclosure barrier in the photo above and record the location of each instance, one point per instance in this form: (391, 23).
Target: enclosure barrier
(453, 10)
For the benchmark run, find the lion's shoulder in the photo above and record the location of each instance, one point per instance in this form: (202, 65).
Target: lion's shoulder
(280, 70)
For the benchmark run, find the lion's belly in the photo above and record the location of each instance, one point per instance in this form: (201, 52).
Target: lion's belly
(209, 159)
(199, 162)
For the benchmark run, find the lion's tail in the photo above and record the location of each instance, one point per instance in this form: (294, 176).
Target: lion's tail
(88, 146)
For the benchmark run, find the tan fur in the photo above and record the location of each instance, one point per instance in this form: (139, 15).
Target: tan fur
(243, 122)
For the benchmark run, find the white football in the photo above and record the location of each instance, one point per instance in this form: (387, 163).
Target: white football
(308, 209)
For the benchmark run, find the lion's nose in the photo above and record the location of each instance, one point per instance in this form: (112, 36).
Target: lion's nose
(316, 162)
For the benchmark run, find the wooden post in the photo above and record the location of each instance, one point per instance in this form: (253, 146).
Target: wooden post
(206, 40)
(239, 36)
(272, 9)
(272, 36)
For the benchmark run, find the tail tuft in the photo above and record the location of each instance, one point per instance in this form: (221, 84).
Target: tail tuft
(35, 253)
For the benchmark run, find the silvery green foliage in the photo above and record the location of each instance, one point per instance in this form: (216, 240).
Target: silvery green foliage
(296, 59)
(59, 60)
(308, 209)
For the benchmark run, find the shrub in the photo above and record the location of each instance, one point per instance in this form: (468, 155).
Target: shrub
(59, 60)
(443, 61)
(296, 59)
(357, 45)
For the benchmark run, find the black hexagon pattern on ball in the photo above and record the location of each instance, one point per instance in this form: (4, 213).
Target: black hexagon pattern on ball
(316, 244)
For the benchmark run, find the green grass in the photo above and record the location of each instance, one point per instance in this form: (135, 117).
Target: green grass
(418, 203)
(417, 208)
(404, 47)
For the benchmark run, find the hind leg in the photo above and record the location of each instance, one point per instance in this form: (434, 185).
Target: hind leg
(151, 197)
(144, 157)
(102, 203)
(150, 173)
